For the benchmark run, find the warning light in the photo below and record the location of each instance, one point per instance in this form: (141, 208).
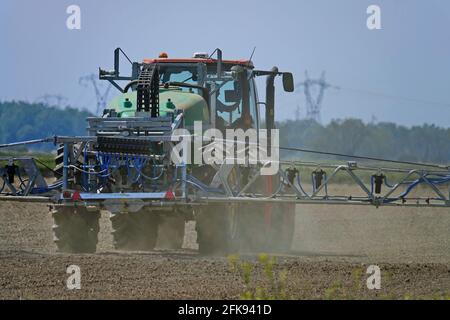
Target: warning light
(67, 194)
(163, 55)
(76, 196)
(170, 195)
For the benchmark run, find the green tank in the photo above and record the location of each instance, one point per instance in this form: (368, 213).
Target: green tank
(170, 100)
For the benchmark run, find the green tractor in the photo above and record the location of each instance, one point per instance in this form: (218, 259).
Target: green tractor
(123, 165)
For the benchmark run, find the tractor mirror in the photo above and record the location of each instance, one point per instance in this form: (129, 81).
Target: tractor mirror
(288, 82)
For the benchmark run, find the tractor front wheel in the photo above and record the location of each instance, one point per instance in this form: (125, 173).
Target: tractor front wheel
(134, 230)
(282, 227)
(75, 229)
(171, 231)
(213, 226)
(265, 228)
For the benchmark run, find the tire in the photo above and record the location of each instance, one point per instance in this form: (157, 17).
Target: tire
(251, 233)
(282, 227)
(213, 226)
(246, 228)
(265, 228)
(134, 230)
(75, 230)
(171, 232)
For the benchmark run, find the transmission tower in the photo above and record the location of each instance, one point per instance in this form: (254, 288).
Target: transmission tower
(52, 100)
(101, 97)
(313, 106)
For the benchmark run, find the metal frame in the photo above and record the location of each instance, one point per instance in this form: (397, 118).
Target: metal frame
(186, 190)
(190, 192)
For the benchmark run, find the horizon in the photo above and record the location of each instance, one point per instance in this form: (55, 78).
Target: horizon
(398, 74)
(338, 120)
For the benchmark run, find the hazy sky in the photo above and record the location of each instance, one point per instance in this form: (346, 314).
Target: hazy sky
(407, 63)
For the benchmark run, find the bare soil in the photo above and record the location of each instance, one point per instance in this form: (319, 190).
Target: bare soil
(332, 248)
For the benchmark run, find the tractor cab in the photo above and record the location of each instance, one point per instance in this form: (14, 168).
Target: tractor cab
(220, 93)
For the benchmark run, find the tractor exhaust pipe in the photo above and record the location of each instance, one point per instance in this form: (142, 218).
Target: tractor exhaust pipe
(270, 106)
(270, 100)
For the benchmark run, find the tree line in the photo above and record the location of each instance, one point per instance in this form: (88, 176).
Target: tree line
(426, 143)
(26, 121)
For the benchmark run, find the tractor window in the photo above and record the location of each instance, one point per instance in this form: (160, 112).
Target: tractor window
(178, 74)
(229, 102)
(229, 105)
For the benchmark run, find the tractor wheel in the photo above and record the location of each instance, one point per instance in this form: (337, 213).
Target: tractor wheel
(213, 226)
(171, 232)
(134, 230)
(282, 227)
(75, 229)
(265, 228)
(250, 230)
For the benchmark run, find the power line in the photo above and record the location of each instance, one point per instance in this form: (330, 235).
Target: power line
(391, 96)
(363, 157)
(52, 100)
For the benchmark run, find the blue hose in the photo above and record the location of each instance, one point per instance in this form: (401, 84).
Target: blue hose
(443, 179)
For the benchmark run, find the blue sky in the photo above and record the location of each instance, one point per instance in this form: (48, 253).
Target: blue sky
(407, 63)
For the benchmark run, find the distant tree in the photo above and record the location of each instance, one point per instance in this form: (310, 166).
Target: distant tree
(426, 143)
(26, 121)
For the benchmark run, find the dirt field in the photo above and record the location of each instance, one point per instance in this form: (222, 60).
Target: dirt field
(332, 249)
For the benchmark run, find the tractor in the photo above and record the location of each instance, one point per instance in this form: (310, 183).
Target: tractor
(123, 165)
(135, 163)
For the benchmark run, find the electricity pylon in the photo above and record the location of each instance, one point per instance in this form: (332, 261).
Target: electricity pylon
(313, 106)
(101, 97)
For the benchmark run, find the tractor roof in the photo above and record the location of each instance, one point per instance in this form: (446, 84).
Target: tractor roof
(245, 63)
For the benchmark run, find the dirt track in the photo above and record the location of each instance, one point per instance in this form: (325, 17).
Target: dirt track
(332, 248)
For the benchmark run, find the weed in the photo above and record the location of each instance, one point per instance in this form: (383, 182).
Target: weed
(271, 287)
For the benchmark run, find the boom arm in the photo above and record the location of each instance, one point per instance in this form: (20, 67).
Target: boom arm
(296, 182)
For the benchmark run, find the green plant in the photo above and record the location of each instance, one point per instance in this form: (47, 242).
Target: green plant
(333, 291)
(271, 287)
